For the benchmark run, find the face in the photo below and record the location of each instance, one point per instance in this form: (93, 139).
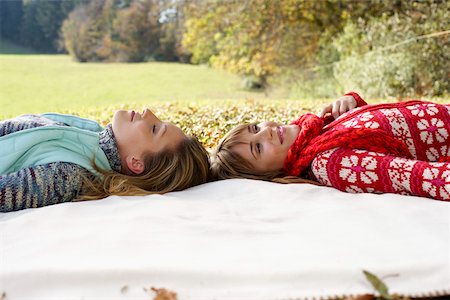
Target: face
(139, 133)
(265, 145)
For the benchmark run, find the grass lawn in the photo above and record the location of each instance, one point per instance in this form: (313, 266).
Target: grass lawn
(38, 83)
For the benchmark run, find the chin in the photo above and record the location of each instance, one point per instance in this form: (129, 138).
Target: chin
(117, 113)
(119, 116)
(116, 120)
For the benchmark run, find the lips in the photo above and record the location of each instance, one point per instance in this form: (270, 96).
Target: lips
(280, 131)
(132, 115)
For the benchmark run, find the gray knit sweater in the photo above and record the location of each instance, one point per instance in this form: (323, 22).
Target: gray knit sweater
(51, 183)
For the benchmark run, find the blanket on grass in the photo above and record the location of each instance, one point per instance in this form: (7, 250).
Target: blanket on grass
(233, 239)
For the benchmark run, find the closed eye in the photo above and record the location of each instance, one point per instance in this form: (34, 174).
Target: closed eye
(258, 148)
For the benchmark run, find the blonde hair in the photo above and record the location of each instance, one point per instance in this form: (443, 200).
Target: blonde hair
(171, 170)
(226, 163)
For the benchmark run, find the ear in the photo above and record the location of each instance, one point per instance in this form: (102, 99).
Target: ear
(135, 165)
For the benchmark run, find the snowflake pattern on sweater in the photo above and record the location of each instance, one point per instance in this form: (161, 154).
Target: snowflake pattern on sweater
(51, 183)
(423, 126)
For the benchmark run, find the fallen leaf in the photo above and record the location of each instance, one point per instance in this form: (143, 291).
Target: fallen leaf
(124, 289)
(361, 297)
(378, 285)
(163, 294)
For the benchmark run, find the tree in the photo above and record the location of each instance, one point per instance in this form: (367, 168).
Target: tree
(136, 31)
(263, 38)
(400, 55)
(87, 30)
(34, 24)
(126, 30)
(10, 17)
(257, 38)
(31, 34)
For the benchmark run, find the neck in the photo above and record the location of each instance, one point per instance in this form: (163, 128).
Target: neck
(108, 144)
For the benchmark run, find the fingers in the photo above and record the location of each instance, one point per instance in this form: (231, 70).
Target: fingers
(336, 108)
(325, 110)
(339, 107)
(352, 104)
(343, 108)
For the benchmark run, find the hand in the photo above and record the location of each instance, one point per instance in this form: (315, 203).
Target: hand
(339, 107)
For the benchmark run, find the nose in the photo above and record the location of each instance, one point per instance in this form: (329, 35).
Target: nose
(151, 115)
(266, 132)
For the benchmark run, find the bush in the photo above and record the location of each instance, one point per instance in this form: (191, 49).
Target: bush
(132, 31)
(393, 57)
(86, 31)
(135, 32)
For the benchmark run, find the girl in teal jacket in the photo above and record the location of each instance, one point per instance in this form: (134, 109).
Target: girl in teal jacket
(52, 158)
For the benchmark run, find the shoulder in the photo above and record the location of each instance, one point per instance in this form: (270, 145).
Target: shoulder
(24, 122)
(30, 120)
(74, 121)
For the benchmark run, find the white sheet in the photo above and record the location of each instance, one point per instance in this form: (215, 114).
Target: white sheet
(235, 239)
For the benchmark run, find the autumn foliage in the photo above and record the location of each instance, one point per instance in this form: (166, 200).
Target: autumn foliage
(382, 48)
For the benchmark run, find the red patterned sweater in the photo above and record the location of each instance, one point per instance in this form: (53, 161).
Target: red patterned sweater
(423, 126)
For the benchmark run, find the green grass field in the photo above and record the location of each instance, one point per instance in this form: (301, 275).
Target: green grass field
(38, 83)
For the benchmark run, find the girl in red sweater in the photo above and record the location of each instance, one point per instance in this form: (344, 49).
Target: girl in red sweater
(399, 148)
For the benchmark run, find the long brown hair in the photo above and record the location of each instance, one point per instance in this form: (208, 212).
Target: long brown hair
(227, 164)
(171, 170)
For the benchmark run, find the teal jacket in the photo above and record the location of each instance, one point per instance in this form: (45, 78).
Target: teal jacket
(76, 143)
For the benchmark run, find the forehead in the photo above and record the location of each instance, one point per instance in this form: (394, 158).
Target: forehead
(241, 144)
(241, 137)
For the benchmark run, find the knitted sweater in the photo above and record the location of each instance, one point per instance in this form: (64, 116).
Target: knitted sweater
(51, 183)
(423, 126)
